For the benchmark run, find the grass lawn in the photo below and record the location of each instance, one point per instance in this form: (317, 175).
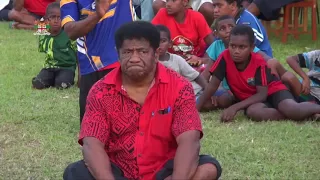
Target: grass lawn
(38, 128)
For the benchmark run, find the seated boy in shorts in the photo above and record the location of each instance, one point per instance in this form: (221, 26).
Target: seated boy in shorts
(223, 26)
(60, 63)
(260, 93)
(203, 6)
(190, 34)
(309, 88)
(177, 63)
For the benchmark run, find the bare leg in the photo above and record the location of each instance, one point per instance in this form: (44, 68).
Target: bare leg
(222, 102)
(206, 172)
(157, 5)
(260, 112)
(290, 79)
(206, 9)
(23, 26)
(298, 111)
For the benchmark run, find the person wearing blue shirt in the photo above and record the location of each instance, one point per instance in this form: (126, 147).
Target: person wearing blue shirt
(242, 16)
(93, 24)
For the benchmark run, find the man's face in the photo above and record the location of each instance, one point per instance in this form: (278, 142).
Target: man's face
(165, 43)
(240, 48)
(175, 6)
(224, 28)
(221, 7)
(137, 58)
(53, 17)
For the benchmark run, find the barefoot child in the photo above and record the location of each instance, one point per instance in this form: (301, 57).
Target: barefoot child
(177, 63)
(60, 62)
(309, 87)
(190, 33)
(260, 93)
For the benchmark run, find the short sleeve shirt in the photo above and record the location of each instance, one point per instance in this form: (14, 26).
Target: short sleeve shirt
(140, 139)
(187, 37)
(180, 65)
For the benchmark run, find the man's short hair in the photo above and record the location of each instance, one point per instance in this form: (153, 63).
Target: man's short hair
(163, 28)
(52, 6)
(221, 18)
(243, 30)
(138, 30)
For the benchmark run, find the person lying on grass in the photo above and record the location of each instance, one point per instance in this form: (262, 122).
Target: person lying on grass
(224, 98)
(61, 60)
(190, 33)
(177, 63)
(141, 121)
(309, 88)
(259, 92)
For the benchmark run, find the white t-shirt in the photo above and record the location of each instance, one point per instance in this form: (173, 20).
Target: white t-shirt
(180, 65)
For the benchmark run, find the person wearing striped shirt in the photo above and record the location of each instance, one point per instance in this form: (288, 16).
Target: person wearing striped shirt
(243, 16)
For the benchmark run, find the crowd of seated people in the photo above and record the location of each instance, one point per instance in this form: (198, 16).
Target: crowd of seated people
(228, 64)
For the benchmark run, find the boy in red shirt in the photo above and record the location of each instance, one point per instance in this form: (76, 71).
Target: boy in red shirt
(260, 93)
(189, 31)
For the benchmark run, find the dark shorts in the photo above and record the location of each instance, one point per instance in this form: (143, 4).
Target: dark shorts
(54, 77)
(274, 99)
(79, 171)
(87, 81)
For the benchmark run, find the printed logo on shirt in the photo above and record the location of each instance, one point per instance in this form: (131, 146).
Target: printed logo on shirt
(182, 46)
(250, 81)
(246, 23)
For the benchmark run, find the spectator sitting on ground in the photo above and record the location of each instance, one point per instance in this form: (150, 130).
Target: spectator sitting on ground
(190, 34)
(203, 6)
(177, 63)
(141, 121)
(223, 26)
(262, 95)
(26, 12)
(243, 16)
(60, 63)
(309, 88)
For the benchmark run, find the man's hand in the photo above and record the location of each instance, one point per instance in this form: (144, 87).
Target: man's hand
(305, 86)
(228, 114)
(102, 6)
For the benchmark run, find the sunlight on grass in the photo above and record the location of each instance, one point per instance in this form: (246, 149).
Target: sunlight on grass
(38, 128)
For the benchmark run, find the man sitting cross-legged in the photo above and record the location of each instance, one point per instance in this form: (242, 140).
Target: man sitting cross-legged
(260, 93)
(141, 121)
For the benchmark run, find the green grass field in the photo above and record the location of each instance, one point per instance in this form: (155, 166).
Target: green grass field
(38, 128)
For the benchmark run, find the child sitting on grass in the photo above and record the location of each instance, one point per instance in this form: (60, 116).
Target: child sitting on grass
(223, 26)
(309, 88)
(190, 33)
(177, 63)
(261, 94)
(60, 62)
